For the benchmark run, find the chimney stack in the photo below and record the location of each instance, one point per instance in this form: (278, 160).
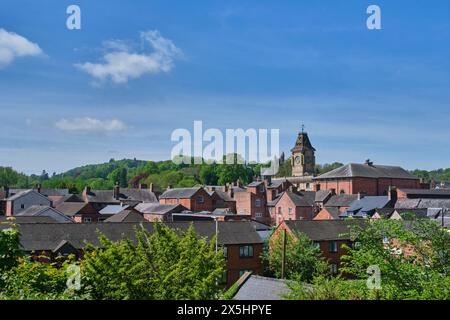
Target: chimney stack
(231, 192)
(6, 189)
(116, 191)
(225, 188)
(152, 187)
(169, 187)
(360, 195)
(392, 194)
(239, 183)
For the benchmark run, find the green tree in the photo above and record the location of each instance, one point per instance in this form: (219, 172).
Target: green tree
(413, 257)
(8, 177)
(162, 265)
(303, 258)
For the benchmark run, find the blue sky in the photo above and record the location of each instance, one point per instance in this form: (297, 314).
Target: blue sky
(361, 94)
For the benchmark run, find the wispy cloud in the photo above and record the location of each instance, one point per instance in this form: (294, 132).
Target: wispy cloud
(91, 125)
(13, 46)
(121, 63)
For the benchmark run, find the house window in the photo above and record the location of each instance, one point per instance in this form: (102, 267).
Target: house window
(241, 272)
(246, 251)
(87, 220)
(333, 268)
(333, 246)
(200, 199)
(258, 203)
(258, 215)
(290, 211)
(280, 211)
(22, 206)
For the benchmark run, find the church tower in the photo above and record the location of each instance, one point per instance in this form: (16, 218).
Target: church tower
(303, 159)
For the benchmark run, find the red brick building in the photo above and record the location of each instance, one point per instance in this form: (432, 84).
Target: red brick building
(292, 205)
(329, 235)
(194, 199)
(367, 178)
(242, 244)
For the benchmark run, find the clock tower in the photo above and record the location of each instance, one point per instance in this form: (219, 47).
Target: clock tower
(303, 159)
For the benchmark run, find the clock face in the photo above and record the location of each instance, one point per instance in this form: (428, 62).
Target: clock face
(298, 160)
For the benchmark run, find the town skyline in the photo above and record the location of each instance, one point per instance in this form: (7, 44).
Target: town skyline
(378, 94)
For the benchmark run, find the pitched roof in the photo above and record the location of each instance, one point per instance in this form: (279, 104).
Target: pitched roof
(47, 211)
(341, 200)
(333, 211)
(126, 216)
(322, 195)
(422, 203)
(125, 194)
(367, 171)
(301, 199)
(302, 142)
(262, 288)
(179, 193)
(158, 208)
(322, 230)
(26, 192)
(441, 193)
(113, 209)
(27, 219)
(46, 236)
(45, 192)
(71, 208)
(368, 204)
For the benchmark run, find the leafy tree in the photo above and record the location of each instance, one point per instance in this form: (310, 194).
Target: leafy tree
(162, 265)
(208, 175)
(123, 181)
(34, 280)
(413, 258)
(303, 258)
(8, 176)
(10, 248)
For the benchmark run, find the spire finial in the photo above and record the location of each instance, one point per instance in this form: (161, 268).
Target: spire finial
(303, 128)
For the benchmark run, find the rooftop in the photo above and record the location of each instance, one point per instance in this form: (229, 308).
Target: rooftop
(367, 170)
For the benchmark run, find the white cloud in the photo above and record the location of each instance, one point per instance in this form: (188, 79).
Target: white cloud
(91, 125)
(13, 45)
(121, 63)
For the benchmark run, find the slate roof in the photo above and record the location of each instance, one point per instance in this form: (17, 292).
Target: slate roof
(255, 184)
(341, 200)
(225, 196)
(367, 205)
(262, 288)
(322, 195)
(179, 193)
(45, 192)
(301, 199)
(441, 193)
(36, 210)
(113, 209)
(47, 236)
(28, 219)
(422, 203)
(125, 194)
(367, 171)
(71, 208)
(158, 208)
(322, 230)
(126, 216)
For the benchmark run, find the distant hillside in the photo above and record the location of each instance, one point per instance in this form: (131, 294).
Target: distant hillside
(102, 170)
